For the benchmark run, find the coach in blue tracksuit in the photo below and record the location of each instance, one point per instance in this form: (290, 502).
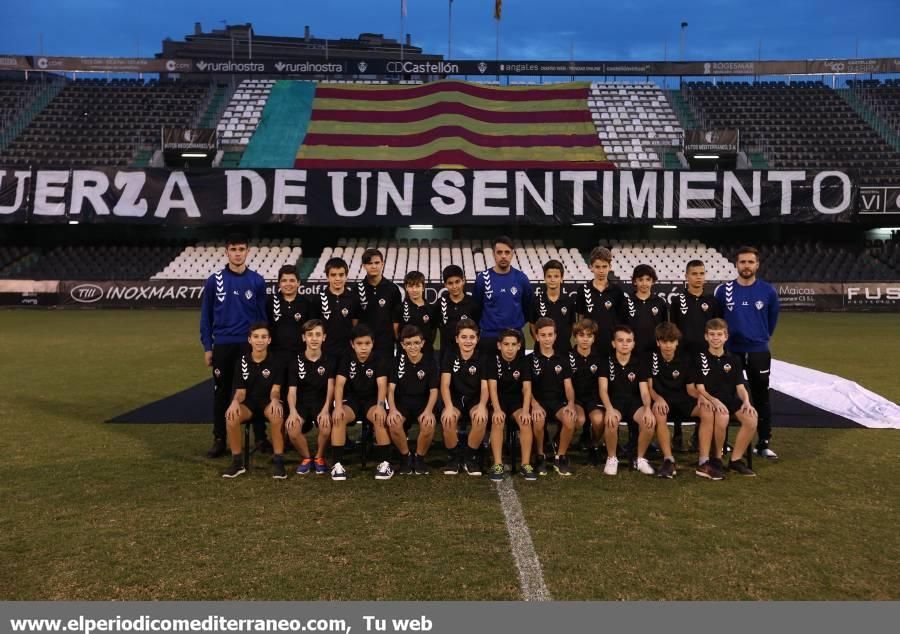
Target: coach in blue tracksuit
(751, 311)
(233, 298)
(504, 294)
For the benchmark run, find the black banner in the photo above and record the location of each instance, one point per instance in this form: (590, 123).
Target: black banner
(720, 141)
(879, 200)
(438, 197)
(189, 139)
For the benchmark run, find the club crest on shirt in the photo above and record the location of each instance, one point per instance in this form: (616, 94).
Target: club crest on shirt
(370, 373)
(266, 374)
(472, 370)
(298, 317)
(727, 367)
(607, 304)
(564, 311)
(420, 374)
(594, 368)
(425, 319)
(632, 376)
(217, 372)
(463, 316)
(248, 294)
(654, 310)
(516, 375)
(557, 369)
(675, 374)
(759, 305)
(321, 371)
(704, 307)
(345, 312)
(514, 290)
(381, 302)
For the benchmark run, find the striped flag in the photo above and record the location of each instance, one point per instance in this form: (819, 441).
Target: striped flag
(451, 124)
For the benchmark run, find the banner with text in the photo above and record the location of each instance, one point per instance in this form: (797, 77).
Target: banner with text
(705, 141)
(439, 197)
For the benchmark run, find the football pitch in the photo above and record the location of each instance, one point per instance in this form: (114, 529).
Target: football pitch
(98, 511)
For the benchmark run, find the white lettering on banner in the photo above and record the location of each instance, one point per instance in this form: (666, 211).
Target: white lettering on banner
(732, 185)
(130, 203)
(235, 192)
(448, 184)
(639, 202)
(687, 194)
(608, 197)
(545, 202)
(21, 177)
(482, 193)
(387, 189)
(178, 180)
(578, 180)
(89, 185)
(785, 178)
(668, 189)
(284, 190)
(817, 192)
(50, 184)
(337, 193)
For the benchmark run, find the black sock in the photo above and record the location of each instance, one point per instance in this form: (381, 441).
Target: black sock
(279, 457)
(337, 453)
(453, 452)
(382, 452)
(237, 459)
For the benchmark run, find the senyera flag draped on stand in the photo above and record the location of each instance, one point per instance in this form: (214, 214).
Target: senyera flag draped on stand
(452, 124)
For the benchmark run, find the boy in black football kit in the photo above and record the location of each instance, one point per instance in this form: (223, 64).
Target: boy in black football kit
(509, 384)
(360, 390)
(674, 397)
(377, 298)
(554, 396)
(337, 308)
(626, 397)
(412, 396)
(454, 306)
(413, 311)
(311, 376)
(257, 394)
(286, 312)
(587, 367)
(600, 300)
(720, 379)
(464, 391)
(550, 301)
(644, 311)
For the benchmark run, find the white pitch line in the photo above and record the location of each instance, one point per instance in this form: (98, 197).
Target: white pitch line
(531, 577)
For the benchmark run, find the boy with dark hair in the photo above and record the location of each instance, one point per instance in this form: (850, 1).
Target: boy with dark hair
(674, 397)
(509, 384)
(337, 308)
(257, 396)
(505, 296)
(587, 366)
(360, 390)
(412, 396)
(720, 379)
(644, 311)
(464, 391)
(454, 306)
(311, 377)
(287, 311)
(377, 298)
(554, 395)
(550, 301)
(413, 311)
(626, 396)
(600, 300)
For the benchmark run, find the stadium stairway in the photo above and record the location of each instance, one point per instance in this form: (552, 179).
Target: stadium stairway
(869, 116)
(282, 127)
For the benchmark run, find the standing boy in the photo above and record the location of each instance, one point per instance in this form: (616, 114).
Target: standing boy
(337, 309)
(311, 378)
(600, 300)
(377, 298)
(454, 306)
(550, 301)
(413, 311)
(644, 311)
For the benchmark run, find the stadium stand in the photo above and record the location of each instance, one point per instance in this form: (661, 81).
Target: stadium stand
(83, 262)
(431, 256)
(634, 122)
(805, 125)
(19, 101)
(200, 261)
(881, 101)
(668, 258)
(105, 123)
(244, 111)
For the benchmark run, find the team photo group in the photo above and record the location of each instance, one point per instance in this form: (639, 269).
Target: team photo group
(603, 357)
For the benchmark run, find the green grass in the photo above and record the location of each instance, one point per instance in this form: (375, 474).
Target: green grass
(99, 511)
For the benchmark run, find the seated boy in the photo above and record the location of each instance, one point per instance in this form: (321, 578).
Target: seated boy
(674, 398)
(412, 395)
(360, 390)
(551, 380)
(257, 394)
(719, 378)
(626, 397)
(509, 384)
(312, 379)
(464, 392)
(413, 311)
(587, 366)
